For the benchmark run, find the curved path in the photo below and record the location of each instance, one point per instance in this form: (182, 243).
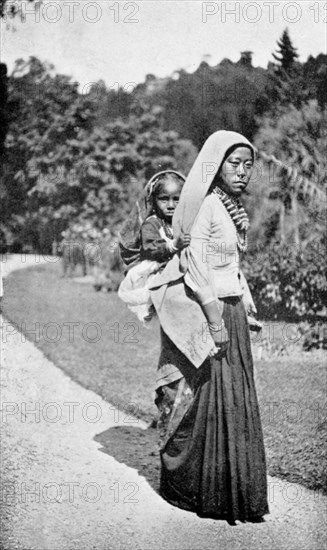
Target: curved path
(60, 492)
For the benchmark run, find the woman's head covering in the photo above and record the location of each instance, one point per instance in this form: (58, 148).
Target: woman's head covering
(200, 178)
(129, 235)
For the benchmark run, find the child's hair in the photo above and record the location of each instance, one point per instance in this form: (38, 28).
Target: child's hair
(157, 182)
(129, 239)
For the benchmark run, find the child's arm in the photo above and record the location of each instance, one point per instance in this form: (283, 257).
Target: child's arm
(183, 241)
(154, 246)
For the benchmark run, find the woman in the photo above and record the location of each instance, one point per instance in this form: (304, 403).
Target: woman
(212, 453)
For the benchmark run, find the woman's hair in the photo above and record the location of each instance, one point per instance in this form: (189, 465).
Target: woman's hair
(226, 155)
(232, 148)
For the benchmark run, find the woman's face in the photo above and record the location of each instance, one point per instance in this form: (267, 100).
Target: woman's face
(236, 171)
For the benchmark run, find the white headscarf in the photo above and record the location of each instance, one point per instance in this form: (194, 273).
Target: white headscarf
(200, 178)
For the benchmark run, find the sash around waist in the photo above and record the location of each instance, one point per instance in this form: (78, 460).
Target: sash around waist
(224, 281)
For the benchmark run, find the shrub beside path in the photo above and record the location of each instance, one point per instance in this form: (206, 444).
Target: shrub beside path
(60, 490)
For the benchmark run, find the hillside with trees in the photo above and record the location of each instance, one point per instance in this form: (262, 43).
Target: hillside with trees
(68, 157)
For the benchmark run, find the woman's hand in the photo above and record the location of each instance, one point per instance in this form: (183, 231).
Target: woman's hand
(182, 241)
(218, 351)
(218, 333)
(215, 323)
(220, 338)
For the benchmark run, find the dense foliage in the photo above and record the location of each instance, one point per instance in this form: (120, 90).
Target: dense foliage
(61, 167)
(72, 158)
(288, 281)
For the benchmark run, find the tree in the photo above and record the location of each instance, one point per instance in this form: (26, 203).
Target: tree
(12, 7)
(212, 98)
(286, 84)
(287, 54)
(62, 165)
(99, 174)
(314, 78)
(3, 108)
(297, 138)
(44, 111)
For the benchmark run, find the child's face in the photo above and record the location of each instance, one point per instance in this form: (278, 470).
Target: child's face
(167, 199)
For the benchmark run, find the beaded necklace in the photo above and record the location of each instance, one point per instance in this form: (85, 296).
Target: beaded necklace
(238, 216)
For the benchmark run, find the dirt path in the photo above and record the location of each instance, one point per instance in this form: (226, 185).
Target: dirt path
(63, 490)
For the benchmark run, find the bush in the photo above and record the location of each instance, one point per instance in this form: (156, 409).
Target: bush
(315, 335)
(288, 282)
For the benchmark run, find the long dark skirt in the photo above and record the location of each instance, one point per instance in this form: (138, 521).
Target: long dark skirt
(213, 459)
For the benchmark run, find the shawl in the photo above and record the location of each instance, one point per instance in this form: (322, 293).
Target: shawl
(180, 315)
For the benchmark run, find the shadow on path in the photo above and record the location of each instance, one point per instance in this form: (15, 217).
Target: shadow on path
(138, 449)
(135, 447)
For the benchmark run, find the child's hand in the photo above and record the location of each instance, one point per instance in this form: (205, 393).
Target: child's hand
(183, 241)
(186, 239)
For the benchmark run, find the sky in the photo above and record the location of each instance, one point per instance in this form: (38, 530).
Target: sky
(121, 42)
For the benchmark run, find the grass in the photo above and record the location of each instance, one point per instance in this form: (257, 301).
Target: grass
(107, 351)
(110, 353)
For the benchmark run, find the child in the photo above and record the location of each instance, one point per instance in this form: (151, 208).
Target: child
(148, 245)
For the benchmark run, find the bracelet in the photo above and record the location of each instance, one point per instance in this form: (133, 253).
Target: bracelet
(214, 327)
(171, 247)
